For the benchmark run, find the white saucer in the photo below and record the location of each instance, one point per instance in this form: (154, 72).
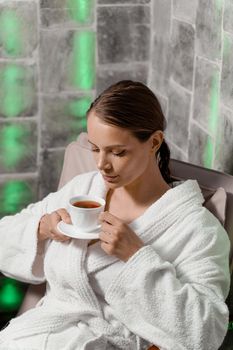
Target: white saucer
(74, 232)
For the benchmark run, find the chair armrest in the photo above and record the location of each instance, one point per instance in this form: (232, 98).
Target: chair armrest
(34, 293)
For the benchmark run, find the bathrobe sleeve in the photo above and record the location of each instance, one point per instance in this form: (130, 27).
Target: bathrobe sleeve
(178, 305)
(21, 255)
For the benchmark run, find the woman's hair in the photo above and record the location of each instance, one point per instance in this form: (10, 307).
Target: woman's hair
(133, 106)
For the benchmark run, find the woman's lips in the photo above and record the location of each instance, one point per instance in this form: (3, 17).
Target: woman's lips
(110, 178)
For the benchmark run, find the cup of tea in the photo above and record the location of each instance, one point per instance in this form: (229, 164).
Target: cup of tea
(84, 211)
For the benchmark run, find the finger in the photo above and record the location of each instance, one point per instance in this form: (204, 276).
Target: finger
(111, 219)
(105, 226)
(55, 219)
(107, 248)
(105, 237)
(65, 216)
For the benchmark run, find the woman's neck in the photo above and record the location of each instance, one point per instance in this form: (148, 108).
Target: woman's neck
(144, 192)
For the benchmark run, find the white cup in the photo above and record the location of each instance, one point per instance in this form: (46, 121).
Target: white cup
(84, 218)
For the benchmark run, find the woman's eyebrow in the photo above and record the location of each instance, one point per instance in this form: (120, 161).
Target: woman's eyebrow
(110, 146)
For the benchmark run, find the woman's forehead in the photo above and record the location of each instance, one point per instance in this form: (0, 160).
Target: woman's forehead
(109, 138)
(95, 126)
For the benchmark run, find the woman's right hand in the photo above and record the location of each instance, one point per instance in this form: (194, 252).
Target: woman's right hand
(48, 226)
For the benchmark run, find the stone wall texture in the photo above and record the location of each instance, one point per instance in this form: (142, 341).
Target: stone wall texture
(56, 56)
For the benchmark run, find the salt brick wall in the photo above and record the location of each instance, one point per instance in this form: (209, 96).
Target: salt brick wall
(182, 49)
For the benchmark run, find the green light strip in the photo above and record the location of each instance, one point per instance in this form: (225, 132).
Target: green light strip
(82, 70)
(15, 193)
(10, 295)
(10, 32)
(212, 122)
(219, 5)
(13, 144)
(80, 10)
(13, 100)
(208, 153)
(78, 109)
(227, 47)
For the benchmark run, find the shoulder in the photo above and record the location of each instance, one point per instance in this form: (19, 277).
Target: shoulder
(215, 228)
(195, 216)
(204, 233)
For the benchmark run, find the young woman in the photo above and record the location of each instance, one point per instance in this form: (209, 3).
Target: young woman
(159, 272)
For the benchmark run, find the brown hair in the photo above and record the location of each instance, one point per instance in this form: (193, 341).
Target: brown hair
(133, 106)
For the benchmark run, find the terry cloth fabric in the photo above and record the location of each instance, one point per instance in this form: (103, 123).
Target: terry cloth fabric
(170, 293)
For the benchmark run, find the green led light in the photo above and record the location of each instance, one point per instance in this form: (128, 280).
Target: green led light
(226, 46)
(13, 101)
(82, 69)
(15, 195)
(214, 104)
(11, 295)
(80, 10)
(212, 121)
(79, 107)
(77, 126)
(13, 144)
(219, 5)
(10, 32)
(208, 153)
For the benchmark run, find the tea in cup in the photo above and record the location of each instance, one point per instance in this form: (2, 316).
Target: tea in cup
(84, 211)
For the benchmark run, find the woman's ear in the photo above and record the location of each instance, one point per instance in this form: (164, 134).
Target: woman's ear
(157, 138)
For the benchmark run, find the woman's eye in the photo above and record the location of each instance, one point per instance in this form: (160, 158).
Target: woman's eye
(115, 154)
(119, 154)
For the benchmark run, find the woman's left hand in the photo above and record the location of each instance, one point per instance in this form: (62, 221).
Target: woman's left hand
(117, 238)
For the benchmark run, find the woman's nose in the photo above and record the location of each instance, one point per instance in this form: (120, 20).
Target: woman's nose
(103, 163)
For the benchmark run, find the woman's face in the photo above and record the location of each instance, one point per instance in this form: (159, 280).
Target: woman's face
(128, 161)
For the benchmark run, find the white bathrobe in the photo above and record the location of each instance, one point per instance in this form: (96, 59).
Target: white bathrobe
(170, 293)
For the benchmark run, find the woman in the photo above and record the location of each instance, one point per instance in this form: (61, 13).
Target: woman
(159, 272)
